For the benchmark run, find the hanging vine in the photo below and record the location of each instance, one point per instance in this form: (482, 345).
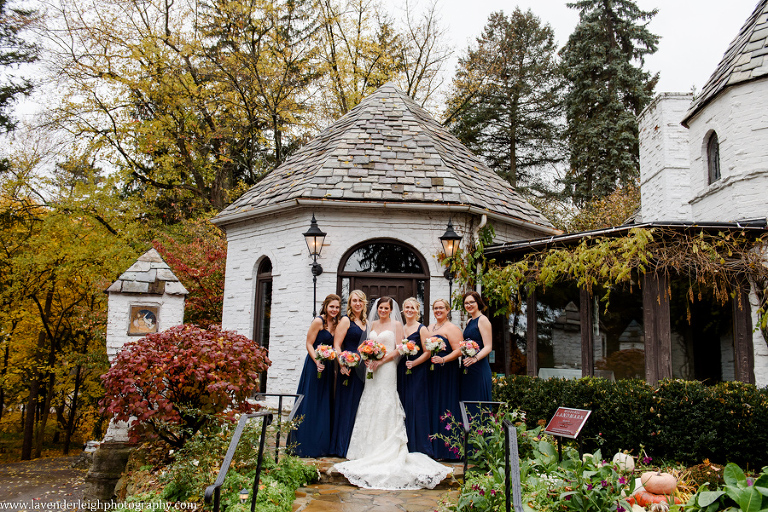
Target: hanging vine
(713, 263)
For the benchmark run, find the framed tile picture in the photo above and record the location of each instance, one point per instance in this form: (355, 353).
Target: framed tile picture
(143, 320)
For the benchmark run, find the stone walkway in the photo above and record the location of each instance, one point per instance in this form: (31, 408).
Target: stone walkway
(334, 493)
(347, 498)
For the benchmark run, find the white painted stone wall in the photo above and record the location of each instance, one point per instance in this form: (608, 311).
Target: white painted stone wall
(279, 237)
(664, 159)
(742, 130)
(170, 313)
(674, 186)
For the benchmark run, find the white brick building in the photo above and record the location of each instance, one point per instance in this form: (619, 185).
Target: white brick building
(705, 160)
(382, 182)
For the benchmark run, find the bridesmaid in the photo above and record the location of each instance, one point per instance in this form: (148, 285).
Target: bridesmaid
(412, 387)
(313, 436)
(443, 381)
(476, 384)
(348, 336)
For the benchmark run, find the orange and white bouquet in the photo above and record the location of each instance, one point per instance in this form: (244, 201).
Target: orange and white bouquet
(324, 353)
(371, 350)
(469, 348)
(434, 344)
(407, 348)
(348, 359)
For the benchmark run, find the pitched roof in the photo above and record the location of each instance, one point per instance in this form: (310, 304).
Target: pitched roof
(149, 274)
(746, 59)
(387, 149)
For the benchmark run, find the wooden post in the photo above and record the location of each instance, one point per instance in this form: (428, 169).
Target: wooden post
(531, 335)
(743, 351)
(658, 328)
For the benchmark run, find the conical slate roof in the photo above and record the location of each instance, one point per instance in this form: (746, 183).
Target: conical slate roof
(386, 149)
(746, 59)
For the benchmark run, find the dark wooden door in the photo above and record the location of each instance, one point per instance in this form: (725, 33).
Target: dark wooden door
(375, 287)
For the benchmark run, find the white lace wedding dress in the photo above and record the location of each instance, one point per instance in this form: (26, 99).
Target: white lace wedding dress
(378, 451)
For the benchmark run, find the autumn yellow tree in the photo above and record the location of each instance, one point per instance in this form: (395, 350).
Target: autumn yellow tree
(63, 240)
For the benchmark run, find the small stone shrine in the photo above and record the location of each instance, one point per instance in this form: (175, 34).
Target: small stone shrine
(146, 298)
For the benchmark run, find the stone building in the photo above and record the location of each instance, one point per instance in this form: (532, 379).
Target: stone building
(705, 159)
(704, 168)
(383, 182)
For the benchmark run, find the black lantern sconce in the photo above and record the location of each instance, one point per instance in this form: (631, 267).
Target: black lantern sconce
(314, 238)
(450, 241)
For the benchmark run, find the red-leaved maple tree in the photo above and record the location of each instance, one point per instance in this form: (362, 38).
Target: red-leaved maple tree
(198, 257)
(176, 381)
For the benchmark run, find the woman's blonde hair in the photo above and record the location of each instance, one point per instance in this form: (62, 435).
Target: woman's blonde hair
(414, 302)
(360, 295)
(447, 304)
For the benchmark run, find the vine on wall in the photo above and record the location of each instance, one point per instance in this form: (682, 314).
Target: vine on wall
(712, 263)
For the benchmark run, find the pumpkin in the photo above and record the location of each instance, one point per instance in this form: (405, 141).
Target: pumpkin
(645, 498)
(624, 461)
(658, 482)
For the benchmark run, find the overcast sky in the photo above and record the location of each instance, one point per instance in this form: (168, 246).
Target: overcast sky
(694, 33)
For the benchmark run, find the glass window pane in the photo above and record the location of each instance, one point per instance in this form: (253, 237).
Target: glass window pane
(517, 323)
(702, 336)
(559, 330)
(384, 257)
(620, 344)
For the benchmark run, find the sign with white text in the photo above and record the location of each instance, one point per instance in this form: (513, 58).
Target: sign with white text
(567, 422)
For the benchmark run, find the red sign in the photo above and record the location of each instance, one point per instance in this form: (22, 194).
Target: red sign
(567, 422)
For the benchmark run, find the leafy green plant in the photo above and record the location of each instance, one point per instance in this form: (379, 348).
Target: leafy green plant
(739, 493)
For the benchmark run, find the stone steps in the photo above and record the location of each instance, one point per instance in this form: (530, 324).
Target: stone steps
(328, 475)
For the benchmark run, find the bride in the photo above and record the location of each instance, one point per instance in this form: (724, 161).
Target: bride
(378, 449)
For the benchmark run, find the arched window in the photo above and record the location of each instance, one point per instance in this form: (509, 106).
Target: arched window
(263, 311)
(384, 267)
(713, 158)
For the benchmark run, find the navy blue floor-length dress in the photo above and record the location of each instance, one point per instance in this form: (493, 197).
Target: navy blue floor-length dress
(347, 397)
(476, 384)
(313, 436)
(414, 395)
(443, 399)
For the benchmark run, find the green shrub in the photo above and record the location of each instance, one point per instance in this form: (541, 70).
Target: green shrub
(677, 420)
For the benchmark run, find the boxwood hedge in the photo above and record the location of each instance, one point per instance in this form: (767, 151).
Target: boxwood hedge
(682, 421)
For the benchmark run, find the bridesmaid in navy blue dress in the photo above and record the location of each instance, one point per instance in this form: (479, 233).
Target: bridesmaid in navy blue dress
(348, 336)
(476, 384)
(313, 436)
(444, 379)
(412, 387)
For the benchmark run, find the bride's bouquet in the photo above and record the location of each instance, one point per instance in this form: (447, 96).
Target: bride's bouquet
(469, 348)
(434, 344)
(371, 350)
(324, 353)
(407, 348)
(348, 359)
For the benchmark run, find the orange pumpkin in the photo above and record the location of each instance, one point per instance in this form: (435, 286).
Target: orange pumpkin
(658, 482)
(645, 498)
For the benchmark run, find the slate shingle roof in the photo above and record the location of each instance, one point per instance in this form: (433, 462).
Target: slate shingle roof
(386, 149)
(150, 275)
(746, 59)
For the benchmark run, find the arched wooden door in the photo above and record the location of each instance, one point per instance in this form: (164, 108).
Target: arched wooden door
(382, 267)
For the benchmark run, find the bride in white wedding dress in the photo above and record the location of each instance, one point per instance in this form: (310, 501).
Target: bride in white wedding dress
(378, 450)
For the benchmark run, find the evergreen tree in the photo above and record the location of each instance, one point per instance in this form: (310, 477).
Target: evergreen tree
(607, 89)
(13, 51)
(506, 102)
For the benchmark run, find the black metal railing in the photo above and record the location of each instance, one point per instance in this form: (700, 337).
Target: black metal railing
(298, 398)
(512, 468)
(213, 492)
(465, 423)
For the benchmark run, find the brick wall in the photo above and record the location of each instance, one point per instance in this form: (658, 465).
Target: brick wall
(279, 237)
